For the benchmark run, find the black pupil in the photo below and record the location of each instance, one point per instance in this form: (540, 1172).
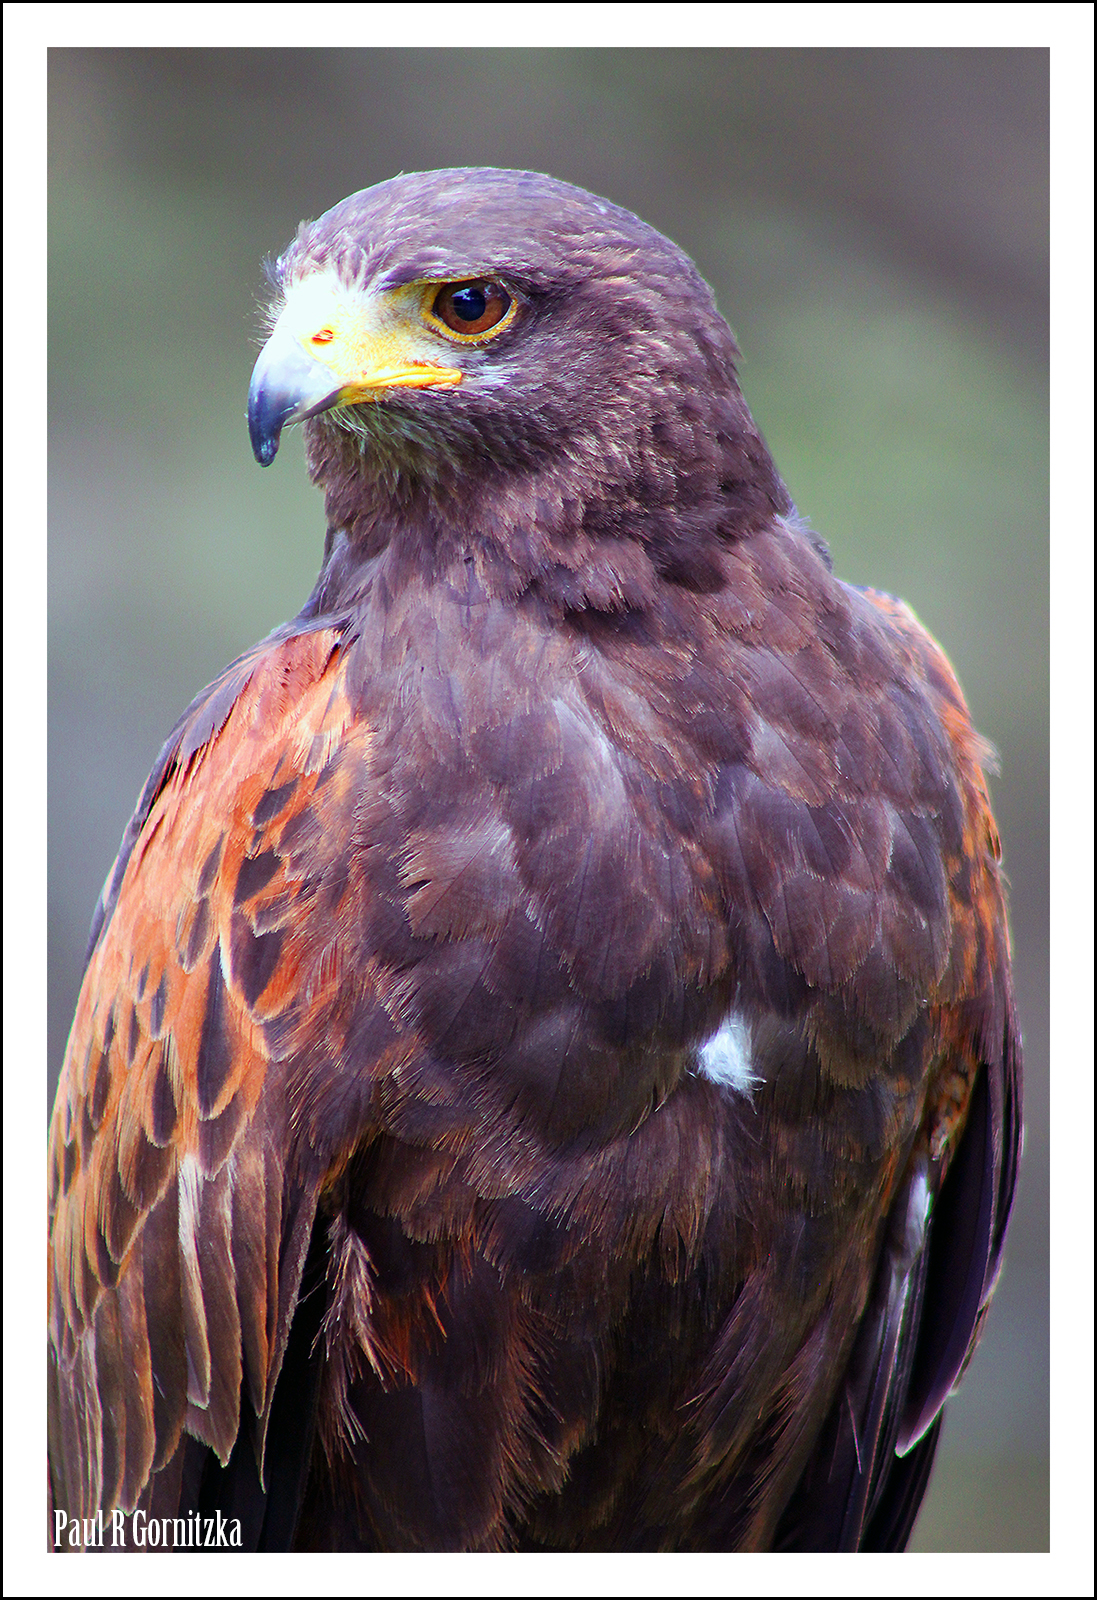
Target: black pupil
(469, 303)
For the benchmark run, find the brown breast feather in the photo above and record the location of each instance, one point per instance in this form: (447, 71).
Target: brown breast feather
(419, 935)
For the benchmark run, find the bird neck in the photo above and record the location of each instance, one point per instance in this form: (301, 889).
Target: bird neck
(590, 526)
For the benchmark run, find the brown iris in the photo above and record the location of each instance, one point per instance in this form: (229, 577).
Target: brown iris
(473, 307)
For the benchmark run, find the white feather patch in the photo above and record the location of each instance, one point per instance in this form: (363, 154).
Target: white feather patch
(725, 1058)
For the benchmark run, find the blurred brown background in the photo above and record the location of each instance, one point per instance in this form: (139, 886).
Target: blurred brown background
(875, 225)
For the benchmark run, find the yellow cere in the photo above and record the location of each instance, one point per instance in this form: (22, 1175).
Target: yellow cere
(368, 342)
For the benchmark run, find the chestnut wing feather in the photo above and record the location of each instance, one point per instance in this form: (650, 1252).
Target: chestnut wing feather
(868, 1472)
(181, 1197)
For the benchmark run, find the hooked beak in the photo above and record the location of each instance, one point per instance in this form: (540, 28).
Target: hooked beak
(287, 385)
(331, 347)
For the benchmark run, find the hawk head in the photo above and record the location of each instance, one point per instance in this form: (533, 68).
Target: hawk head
(499, 350)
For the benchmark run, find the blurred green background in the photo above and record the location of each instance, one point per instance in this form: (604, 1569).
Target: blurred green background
(874, 223)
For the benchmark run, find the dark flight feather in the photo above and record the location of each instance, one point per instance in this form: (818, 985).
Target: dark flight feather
(546, 1073)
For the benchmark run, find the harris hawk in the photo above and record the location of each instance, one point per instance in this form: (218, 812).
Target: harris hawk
(546, 1074)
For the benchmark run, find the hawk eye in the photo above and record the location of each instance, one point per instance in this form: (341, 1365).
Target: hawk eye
(472, 308)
